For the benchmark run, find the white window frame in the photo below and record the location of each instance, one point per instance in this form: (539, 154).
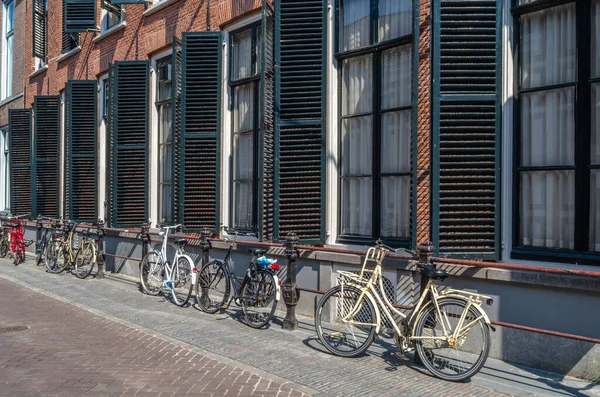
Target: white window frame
(4, 170)
(7, 61)
(104, 19)
(102, 145)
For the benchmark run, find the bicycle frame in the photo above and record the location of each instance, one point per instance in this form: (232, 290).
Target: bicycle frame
(382, 303)
(171, 268)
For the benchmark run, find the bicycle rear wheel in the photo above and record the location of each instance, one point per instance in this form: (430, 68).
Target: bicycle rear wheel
(55, 258)
(212, 287)
(258, 299)
(182, 281)
(345, 325)
(151, 273)
(447, 358)
(4, 247)
(88, 260)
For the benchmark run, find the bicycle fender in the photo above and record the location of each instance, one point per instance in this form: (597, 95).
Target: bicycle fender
(193, 265)
(477, 307)
(277, 288)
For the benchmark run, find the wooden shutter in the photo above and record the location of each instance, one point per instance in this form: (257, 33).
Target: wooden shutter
(46, 124)
(19, 132)
(200, 129)
(81, 186)
(466, 120)
(130, 140)
(176, 125)
(266, 115)
(40, 18)
(79, 15)
(300, 122)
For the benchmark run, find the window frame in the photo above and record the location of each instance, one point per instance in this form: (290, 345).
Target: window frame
(582, 166)
(375, 48)
(255, 80)
(39, 62)
(158, 103)
(7, 59)
(4, 168)
(107, 13)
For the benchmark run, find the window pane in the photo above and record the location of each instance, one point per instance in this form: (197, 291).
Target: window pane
(595, 42)
(9, 65)
(595, 210)
(242, 55)
(395, 141)
(548, 209)
(357, 90)
(357, 146)
(396, 77)
(595, 143)
(395, 206)
(548, 47)
(165, 134)
(357, 206)
(395, 18)
(242, 210)
(243, 108)
(547, 127)
(243, 156)
(10, 13)
(355, 18)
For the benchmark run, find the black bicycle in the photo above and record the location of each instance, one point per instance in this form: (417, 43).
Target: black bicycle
(257, 293)
(43, 247)
(4, 239)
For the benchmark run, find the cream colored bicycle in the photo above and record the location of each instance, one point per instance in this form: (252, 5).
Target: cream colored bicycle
(449, 329)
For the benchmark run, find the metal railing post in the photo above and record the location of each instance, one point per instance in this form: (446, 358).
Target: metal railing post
(145, 237)
(291, 294)
(38, 236)
(424, 253)
(205, 245)
(100, 259)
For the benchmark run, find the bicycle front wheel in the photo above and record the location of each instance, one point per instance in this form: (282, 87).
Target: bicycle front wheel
(345, 322)
(446, 357)
(258, 299)
(4, 247)
(212, 287)
(84, 267)
(55, 258)
(182, 281)
(151, 273)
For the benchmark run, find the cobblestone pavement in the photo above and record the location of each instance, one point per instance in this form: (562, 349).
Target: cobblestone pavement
(106, 334)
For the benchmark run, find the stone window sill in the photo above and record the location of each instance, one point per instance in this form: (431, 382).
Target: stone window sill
(69, 54)
(158, 6)
(114, 29)
(39, 71)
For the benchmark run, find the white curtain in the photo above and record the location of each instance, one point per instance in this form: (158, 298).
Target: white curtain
(547, 128)
(595, 143)
(243, 155)
(395, 19)
(356, 22)
(166, 162)
(357, 90)
(396, 138)
(242, 55)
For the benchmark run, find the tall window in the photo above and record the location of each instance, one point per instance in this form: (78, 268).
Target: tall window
(40, 32)
(558, 158)
(7, 47)
(111, 15)
(4, 171)
(165, 140)
(244, 79)
(375, 120)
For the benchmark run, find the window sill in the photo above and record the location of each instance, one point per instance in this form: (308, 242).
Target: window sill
(10, 99)
(39, 71)
(158, 6)
(114, 29)
(69, 54)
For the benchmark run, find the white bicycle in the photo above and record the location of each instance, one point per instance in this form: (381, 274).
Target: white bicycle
(158, 275)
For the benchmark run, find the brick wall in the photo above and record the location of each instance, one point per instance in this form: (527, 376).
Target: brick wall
(143, 36)
(21, 11)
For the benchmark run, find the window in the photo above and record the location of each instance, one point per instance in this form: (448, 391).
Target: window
(375, 119)
(244, 81)
(4, 171)
(70, 41)
(7, 48)
(40, 32)
(165, 140)
(112, 15)
(558, 152)
(105, 99)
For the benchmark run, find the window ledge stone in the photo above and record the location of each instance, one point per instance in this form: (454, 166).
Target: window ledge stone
(158, 6)
(10, 99)
(39, 71)
(69, 54)
(114, 29)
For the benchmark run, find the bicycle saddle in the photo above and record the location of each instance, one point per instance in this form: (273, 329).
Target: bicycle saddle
(181, 241)
(436, 274)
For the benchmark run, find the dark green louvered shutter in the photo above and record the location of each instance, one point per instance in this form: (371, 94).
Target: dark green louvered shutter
(19, 132)
(110, 144)
(46, 125)
(466, 121)
(176, 125)
(81, 177)
(300, 122)
(40, 18)
(79, 15)
(200, 129)
(130, 139)
(266, 115)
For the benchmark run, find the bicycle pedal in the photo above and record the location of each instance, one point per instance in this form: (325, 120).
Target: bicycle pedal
(402, 356)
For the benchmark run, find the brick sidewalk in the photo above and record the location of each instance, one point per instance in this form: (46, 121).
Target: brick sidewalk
(68, 351)
(275, 354)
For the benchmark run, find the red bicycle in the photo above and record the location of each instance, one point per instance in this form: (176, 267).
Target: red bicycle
(17, 243)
